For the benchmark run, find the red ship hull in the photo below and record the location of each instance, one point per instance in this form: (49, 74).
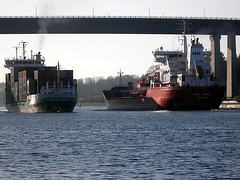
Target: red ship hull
(187, 98)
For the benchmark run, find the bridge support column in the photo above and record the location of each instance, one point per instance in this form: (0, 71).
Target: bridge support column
(231, 66)
(216, 59)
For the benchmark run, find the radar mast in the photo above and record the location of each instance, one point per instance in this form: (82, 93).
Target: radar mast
(24, 44)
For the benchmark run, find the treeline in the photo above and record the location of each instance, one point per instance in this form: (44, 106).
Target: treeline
(90, 89)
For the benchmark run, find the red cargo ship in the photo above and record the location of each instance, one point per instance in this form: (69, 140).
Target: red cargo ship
(182, 80)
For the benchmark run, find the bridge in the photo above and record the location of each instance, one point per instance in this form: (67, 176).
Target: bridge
(116, 25)
(215, 27)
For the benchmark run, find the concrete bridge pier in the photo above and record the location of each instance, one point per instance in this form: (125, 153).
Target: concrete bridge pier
(232, 89)
(216, 60)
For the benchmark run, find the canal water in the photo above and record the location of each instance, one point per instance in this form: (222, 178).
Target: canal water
(93, 143)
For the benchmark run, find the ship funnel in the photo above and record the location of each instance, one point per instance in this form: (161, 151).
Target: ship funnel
(38, 56)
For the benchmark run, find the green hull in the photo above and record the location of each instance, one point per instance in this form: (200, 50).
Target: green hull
(44, 103)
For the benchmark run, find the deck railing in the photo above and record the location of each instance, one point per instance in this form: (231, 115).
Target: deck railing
(123, 17)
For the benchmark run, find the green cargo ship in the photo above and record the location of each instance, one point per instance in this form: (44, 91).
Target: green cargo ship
(32, 87)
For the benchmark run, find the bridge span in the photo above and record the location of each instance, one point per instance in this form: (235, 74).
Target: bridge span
(116, 25)
(215, 27)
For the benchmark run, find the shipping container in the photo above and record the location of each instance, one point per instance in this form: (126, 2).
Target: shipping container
(40, 75)
(31, 86)
(20, 97)
(50, 68)
(24, 90)
(32, 90)
(12, 84)
(24, 97)
(16, 91)
(31, 83)
(66, 74)
(28, 73)
(16, 98)
(8, 77)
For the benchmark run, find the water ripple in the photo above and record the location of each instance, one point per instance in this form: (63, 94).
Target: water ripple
(91, 144)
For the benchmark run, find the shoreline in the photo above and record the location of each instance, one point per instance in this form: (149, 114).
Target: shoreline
(223, 105)
(230, 105)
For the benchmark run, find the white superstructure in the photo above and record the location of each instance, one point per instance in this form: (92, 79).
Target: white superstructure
(190, 67)
(22, 61)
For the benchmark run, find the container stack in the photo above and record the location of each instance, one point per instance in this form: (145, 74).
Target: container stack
(66, 77)
(51, 75)
(44, 75)
(24, 81)
(14, 78)
(31, 86)
(8, 92)
(20, 84)
(23, 77)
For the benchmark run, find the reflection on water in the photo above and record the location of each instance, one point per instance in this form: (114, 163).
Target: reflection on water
(94, 143)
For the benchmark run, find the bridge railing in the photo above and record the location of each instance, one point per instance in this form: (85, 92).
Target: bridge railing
(127, 17)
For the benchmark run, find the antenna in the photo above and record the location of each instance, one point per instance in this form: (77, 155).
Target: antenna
(184, 27)
(16, 48)
(58, 77)
(184, 37)
(120, 78)
(31, 54)
(24, 44)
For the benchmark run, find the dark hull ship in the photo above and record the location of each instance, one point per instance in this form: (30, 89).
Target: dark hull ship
(123, 98)
(32, 87)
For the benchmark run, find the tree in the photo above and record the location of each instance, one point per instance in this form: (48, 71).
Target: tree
(90, 89)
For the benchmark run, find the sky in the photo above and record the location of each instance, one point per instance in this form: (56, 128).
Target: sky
(98, 55)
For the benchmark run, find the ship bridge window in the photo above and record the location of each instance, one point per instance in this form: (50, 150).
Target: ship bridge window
(196, 53)
(160, 56)
(207, 56)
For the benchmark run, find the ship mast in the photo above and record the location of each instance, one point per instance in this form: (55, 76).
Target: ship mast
(58, 77)
(184, 38)
(23, 46)
(16, 48)
(120, 78)
(183, 27)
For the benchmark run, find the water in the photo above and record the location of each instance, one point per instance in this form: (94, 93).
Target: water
(96, 144)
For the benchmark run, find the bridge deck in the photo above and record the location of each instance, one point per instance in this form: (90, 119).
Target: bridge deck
(116, 25)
